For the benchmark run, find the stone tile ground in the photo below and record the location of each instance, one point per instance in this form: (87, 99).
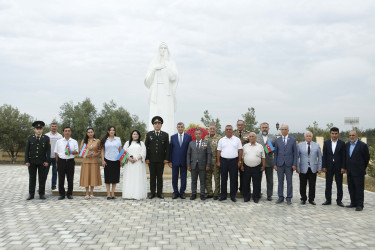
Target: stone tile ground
(177, 224)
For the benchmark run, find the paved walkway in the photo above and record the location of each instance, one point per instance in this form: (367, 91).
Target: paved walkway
(177, 224)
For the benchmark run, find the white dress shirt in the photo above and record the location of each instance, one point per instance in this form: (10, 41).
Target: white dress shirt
(229, 147)
(253, 154)
(53, 139)
(180, 136)
(265, 138)
(111, 148)
(285, 139)
(61, 145)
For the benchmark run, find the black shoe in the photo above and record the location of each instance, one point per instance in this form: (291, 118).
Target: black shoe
(175, 196)
(69, 197)
(42, 196)
(203, 198)
(289, 202)
(269, 198)
(233, 199)
(61, 197)
(209, 196)
(358, 208)
(216, 198)
(222, 198)
(256, 201)
(53, 188)
(339, 203)
(246, 200)
(113, 197)
(303, 202)
(182, 196)
(350, 206)
(151, 196)
(30, 197)
(279, 201)
(109, 198)
(328, 203)
(160, 196)
(193, 197)
(312, 203)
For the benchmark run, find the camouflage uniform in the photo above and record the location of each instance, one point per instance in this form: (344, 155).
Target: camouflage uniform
(244, 139)
(215, 170)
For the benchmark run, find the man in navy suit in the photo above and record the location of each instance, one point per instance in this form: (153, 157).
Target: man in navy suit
(357, 157)
(333, 165)
(177, 160)
(285, 162)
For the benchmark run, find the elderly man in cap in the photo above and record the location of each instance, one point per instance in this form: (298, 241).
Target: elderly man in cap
(37, 157)
(157, 145)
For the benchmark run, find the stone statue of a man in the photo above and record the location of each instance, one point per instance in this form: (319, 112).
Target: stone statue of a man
(162, 80)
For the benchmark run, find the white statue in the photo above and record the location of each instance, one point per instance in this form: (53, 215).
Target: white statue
(162, 80)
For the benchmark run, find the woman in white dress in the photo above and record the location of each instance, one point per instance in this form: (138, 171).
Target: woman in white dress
(134, 176)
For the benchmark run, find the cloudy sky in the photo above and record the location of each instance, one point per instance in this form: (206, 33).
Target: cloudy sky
(294, 61)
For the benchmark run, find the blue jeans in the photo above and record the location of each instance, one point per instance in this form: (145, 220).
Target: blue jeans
(54, 172)
(286, 171)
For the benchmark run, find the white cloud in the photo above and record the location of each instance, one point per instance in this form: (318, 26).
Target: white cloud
(294, 61)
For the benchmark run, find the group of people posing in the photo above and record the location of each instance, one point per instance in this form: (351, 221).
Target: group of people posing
(239, 151)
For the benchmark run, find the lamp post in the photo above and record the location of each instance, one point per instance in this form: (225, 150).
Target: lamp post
(277, 126)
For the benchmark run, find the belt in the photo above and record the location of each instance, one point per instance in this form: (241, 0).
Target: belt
(229, 159)
(67, 160)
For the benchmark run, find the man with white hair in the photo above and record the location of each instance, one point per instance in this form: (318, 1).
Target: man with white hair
(308, 164)
(254, 163)
(285, 162)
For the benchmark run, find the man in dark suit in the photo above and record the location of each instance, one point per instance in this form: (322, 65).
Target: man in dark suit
(333, 165)
(199, 161)
(357, 157)
(157, 146)
(285, 162)
(37, 157)
(177, 160)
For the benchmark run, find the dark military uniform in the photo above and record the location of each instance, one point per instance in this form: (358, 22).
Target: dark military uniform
(215, 170)
(244, 137)
(38, 151)
(157, 152)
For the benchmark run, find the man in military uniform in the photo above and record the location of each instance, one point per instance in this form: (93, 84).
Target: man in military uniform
(263, 138)
(37, 157)
(241, 133)
(157, 145)
(213, 139)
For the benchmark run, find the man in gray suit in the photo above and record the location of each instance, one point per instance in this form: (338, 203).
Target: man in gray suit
(285, 162)
(310, 162)
(263, 139)
(199, 161)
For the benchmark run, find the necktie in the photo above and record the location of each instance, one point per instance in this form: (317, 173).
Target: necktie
(284, 140)
(240, 133)
(38, 138)
(157, 133)
(308, 148)
(197, 144)
(180, 140)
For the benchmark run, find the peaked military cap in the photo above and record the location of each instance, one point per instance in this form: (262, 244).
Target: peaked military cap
(38, 124)
(156, 119)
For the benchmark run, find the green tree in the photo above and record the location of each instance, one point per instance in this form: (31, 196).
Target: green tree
(79, 117)
(192, 125)
(250, 121)
(319, 131)
(208, 120)
(112, 115)
(14, 130)
(371, 165)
